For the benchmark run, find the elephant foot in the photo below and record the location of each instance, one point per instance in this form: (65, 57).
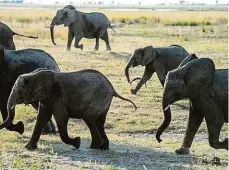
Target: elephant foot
(183, 151)
(76, 142)
(68, 49)
(31, 146)
(133, 91)
(105, 145)
(49, 128)
(96, 49)
(109, 49)
(19, 127)
(96, 145)
(81, 46)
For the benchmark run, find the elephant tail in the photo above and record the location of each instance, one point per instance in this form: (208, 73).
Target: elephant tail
(117, 95)
(14, 33)
(112, 28)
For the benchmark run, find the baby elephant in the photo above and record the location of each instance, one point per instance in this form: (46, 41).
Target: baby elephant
(85, 94)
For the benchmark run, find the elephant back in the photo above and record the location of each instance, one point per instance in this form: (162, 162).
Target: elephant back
(27, 60)
(99, 21)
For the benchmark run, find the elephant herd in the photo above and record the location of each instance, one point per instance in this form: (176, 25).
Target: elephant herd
(32, 76)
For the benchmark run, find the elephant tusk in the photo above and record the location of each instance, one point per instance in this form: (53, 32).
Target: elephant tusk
(166, 108)
(49, 26)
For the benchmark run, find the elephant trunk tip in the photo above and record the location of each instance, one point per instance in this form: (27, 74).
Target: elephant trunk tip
(158, 138)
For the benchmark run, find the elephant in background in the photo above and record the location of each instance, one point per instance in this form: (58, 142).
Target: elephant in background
(6, 37)
(85, 94)
(159, 60)
(207, 90)
(80, 24)
(12, 65)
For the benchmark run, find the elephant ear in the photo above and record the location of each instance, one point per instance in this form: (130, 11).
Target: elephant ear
(188, 59)
(2, 54)
(148, 55)
(198, 74)
(69, 16)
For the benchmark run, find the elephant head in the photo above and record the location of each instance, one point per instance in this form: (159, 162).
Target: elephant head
(64, 16)
(185, 82)
(38, 85)
(141, 56)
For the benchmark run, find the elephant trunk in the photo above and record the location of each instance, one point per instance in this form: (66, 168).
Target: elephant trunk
(127, 71)
(53, 23)
(10, 109)
(167, 118)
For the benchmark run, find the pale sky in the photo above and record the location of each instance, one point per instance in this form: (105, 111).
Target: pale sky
(143, 2)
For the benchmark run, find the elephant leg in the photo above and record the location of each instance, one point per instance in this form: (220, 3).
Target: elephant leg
(100, 126)
(161, 73)
(90, 116)
(70, 38)
(96, 44)
(50, 127)
(77, 40)
(146, 76)
(194, 122)
(44, 115)
(18, 127)
(61, 117)
(215, 119)
(105, 38)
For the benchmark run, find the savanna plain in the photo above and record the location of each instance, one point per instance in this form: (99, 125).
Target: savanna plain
(131, 133)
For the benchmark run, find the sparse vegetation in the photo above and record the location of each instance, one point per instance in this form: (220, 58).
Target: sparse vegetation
(132, 139)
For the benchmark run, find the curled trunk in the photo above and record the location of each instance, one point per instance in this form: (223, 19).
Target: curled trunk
(166, 121)
(53, 23)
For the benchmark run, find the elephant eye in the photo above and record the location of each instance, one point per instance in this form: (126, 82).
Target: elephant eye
(26, 81)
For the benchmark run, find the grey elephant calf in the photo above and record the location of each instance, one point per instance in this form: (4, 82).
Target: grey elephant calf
(207, 90)
(160, 60)
(80, 24)
(85, 94)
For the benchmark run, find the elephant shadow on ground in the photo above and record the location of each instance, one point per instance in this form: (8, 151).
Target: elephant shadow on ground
(120, 155)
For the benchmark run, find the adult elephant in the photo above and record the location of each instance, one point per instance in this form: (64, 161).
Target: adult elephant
(207, 90)
(12, 65)
(6, 37)
(159, 60)
(80, 24)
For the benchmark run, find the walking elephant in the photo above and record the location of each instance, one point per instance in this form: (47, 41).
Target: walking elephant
(159, 60)
(6, 37)
(80, 24)
(85, 94)
(207, 90)
(12, 65)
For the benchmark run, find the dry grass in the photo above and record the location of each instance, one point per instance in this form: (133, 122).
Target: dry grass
(132, 147)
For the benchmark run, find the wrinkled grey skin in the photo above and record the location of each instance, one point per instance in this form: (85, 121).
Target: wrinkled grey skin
(12, 65)
(159, 60)
(207, 90)
(85, 94)
(80, 24)
(6, 37)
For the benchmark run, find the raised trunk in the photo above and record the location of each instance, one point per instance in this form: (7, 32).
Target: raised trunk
(52, 30)
(166, 121)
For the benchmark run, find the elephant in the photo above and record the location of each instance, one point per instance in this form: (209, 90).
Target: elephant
(85, 94)
(13, 63)
(207, 90)
(6, 37)
(159, 60)
(80, 24)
